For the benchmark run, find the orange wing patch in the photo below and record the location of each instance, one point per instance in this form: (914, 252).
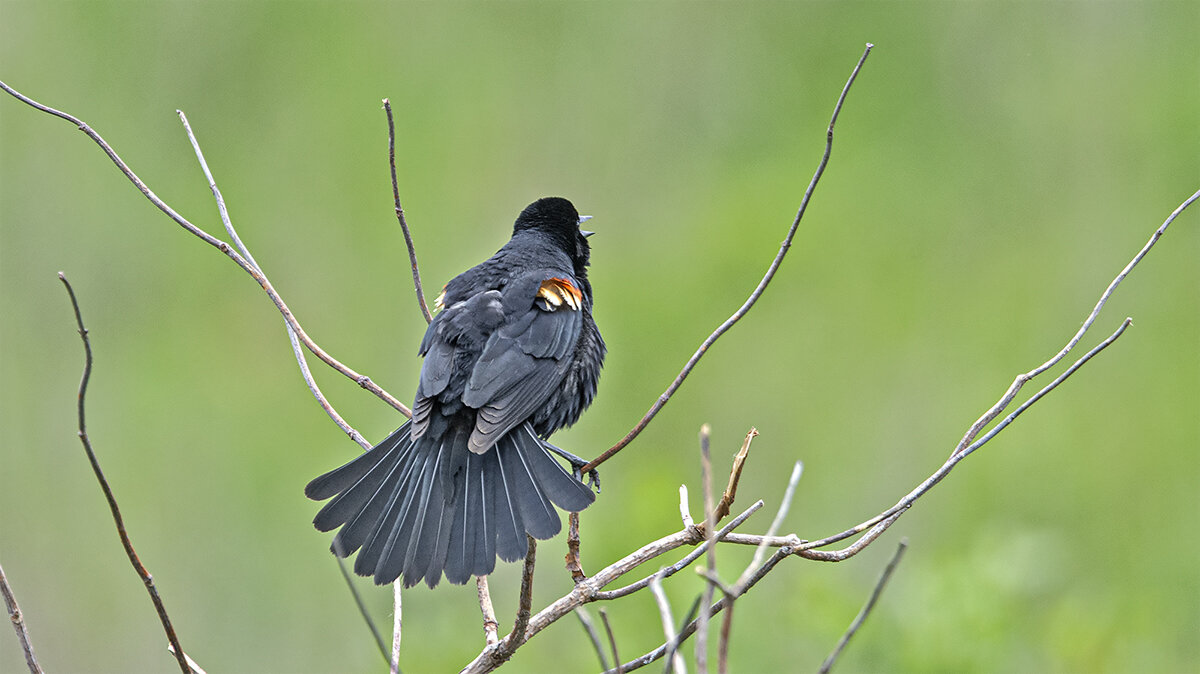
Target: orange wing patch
(555, 292)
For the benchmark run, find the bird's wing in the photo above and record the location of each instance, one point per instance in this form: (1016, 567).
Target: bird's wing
(455, 337)
(525, 359)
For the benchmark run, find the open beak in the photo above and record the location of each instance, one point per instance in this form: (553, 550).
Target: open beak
(583, 219)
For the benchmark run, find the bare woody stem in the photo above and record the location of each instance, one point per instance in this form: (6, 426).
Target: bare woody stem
(758, 290)
(18, 623)
(866, 609)
(147, 580)
(362, 380)
(412, 251)
(305, 372)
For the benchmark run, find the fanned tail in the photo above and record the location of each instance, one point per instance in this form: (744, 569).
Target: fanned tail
(424, 508)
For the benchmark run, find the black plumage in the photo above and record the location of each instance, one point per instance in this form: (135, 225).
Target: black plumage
(512, 356)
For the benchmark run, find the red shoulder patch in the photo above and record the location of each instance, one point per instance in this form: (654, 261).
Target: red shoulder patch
(555, 292)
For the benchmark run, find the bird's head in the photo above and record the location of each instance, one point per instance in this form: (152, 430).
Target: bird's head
(557, 218)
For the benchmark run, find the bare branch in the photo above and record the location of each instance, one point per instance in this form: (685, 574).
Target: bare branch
(315, 389)
(612, 641)
(758, 291)
(362, 380)
(358, 601)
(18, 623)
(524, 602)
(662, 546)
(884, 519)
(668, 623)
(685, 514)
(784, 506)
(412, 251)
(147, 580)
(866, 609)
(496, 654)
(191, 663)
(491, 628)
(726, 620)
(589, 627)
(588, 590)
(397, 626)
(237, 241)
(710, 557)
(1021, 379)
(725, 602)
(573, 561)
(735, 474)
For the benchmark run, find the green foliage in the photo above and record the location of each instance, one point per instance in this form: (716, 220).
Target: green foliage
(995, 166)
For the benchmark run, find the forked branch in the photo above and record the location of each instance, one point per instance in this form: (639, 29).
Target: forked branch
(362, 380)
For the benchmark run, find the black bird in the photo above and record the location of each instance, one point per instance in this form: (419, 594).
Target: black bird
(512, 356)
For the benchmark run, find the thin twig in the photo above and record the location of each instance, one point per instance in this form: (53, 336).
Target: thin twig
(588, 590)
(147, 580)
(358, 601)
(723, 644)
(676, 540)
(524, 603)
(1021, 379)
(573, 560)
(875, 526)
(397, 626)
(668, 623)
(196, 669)
(866, 609)
(18, 623)
(784, 506)
(758, 291)
(589, 627)
(498, 654)
(491, 628)
(673, 647)
(237, 242)
(890, 515)
(685, 510)
(710, 557)
(305, 372)
(716, 608)
(726, 621)
(412, 251)
(735, 474)
(362, 380)
(612, 640)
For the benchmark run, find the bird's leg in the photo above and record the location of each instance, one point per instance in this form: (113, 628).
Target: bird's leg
(577, 463)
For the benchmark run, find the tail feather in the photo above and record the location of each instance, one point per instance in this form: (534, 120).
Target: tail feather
(427, 548)
(564, 490)
(339, 480)
(485, 546)
(539, 516)
(418, 509)
(511, 544)
(359, 526)
(384, 556)
(465, 556)
(392, 529)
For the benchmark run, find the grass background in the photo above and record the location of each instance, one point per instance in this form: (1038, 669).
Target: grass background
(996, 164)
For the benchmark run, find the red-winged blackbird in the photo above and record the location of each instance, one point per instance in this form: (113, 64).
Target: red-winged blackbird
(512, 356)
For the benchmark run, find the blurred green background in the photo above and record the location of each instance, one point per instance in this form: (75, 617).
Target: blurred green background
(996, 164)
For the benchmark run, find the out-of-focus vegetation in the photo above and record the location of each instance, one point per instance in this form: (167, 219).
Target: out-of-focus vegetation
(995, 166)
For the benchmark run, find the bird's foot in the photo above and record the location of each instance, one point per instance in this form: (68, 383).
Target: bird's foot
(577, 464)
